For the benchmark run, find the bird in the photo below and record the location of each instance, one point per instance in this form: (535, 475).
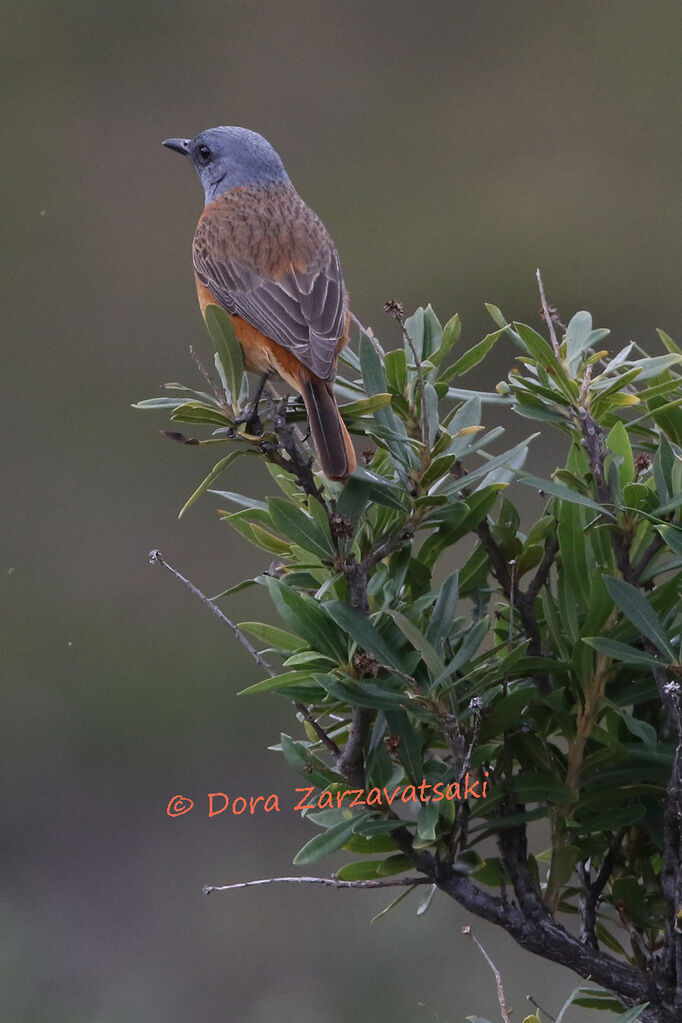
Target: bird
(266, 258)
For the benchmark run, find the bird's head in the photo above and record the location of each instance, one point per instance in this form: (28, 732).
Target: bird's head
(227, 157)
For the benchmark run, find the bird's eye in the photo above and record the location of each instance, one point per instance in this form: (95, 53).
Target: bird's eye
(204, 154)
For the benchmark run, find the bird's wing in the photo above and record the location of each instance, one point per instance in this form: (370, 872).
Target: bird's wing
(300, 303)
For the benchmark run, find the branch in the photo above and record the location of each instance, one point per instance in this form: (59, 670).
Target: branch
(329, 882)
(547, 314)
(318, 729)
(506, 1013)
(156, 558)
(351, 763)
(299, 463)
(546, 938)
(543, 569)
(593, 889)
(394, 543)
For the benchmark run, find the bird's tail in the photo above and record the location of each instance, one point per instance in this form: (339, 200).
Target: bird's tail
(330, 436)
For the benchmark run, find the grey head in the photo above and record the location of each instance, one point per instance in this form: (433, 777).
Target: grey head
(227, 157)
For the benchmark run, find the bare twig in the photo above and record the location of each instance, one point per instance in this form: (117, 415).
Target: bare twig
(505, 1012)
(546, 313)
(218, 392)
(318, 729)
(156, 558)
(329, 882)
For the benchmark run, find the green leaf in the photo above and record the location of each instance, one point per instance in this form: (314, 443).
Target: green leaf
(672, 536)
(620, 651)
(364, 406)
(618, 442)
(472, 357)
(215, 471)
(577, 338)
(153, 403)
(472, 640)
(414, 328)
(394, 902)
(433, 334)
(221, 329)
(199, 412)
(638, 610)
(376, 844)
(396, 370)
(653, 367)
(668, 342)
(632, 1014)
(288, 678)
(274, 637)
(411, 744)
(309, 618)
(301, 760)
(431, 400)
(396, 864)
(362, 632)
(301, 529)
(381, 490)
(419, 641)
(265, 539)
(444, 611)
(451, 332)
(555, 489)
(328, 842)
(363, 695)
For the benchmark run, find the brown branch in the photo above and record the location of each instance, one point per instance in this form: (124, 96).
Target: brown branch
(593, 889)
(318, 729)
(543, 569)
(351, 762)
(298, 462)
(548, 939)
(390, 546)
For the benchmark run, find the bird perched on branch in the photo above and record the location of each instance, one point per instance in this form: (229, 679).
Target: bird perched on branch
(267, 259)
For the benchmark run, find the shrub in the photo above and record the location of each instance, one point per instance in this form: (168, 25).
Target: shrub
(432, 641)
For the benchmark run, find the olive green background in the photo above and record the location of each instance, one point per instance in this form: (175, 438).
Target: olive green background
(451, 148)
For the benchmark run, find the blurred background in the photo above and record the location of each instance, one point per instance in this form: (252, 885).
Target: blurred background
(451, 148)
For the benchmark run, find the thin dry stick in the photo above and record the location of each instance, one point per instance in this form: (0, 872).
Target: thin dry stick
(498, 977)
(546, 313)
(156, 558)
(329, 882)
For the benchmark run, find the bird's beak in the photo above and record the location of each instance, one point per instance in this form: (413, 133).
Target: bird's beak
(179, 145)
